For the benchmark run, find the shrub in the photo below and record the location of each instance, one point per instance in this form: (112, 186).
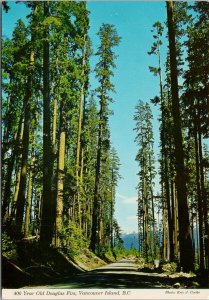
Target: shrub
(170, 267)
(9, 249)
(72, 240)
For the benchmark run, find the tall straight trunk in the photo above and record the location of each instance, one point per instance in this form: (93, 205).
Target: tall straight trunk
(60, 185)
(48, 205)
(139, 216)
(170, 217)
(54, 129)
(29, 196)
(192, 225)
(204, 200)
(146, 232)
(101, 230)
(146, 217)
(185, 241)
(54, 143)
(82, 148)
(175, 220)
(153, 216)
(7, 128)
(7, 122)
(5, 140)
(54, 124)
(199, 201)
(176, 237)
(78, 152)
(165, 233)
(143, 231)
(17, 179)
(26, 133)
(198, 240)
(164, 160)
(30, 185)
(111, 215)
(6, 194)
(94, 234)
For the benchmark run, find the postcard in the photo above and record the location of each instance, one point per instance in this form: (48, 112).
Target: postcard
(105, 150)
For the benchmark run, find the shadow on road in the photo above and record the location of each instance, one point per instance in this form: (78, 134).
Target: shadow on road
(119, 275)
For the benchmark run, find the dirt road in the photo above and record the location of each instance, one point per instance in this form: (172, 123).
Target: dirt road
(123, 274)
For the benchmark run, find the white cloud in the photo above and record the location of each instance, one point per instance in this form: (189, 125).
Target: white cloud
(133, 217)
(127, 199)
(129, 231)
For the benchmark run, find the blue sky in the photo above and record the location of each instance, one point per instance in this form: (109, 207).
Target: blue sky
(133, 81)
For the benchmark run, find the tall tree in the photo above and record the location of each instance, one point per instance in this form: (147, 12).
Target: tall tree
(185, 241)
(145, 159)
(165, 174)
(108, 40)
(48, 207)
(195, 103)
(26, 131)
(14, 65)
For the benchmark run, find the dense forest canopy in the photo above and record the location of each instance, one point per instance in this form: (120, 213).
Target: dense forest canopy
(60, 170)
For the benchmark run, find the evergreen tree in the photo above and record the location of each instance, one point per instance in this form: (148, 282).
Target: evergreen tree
(145, 159)
(185, 242)
(108, 39)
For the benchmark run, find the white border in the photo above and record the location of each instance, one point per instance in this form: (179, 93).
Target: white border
(105, 293)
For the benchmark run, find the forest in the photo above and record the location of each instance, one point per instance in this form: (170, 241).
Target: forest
(60, 171)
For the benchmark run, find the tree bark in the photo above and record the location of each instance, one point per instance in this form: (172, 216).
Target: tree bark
(26, 133)
(79, 144)
(199, 200)
(94, 233)
(60, 186)
(6, 195)
(48, 205)
(29, 196)
(204, 201)
(185, 241)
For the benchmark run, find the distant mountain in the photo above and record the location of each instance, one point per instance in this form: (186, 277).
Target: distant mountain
(130, 240)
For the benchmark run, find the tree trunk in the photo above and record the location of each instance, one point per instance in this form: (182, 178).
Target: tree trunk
(164, 160)
(146, 217)
(94, 234)
(79, 150)
(29, 195)
(198, 240)
(26, 134)
(204, 201)
(185, 241)
(30, 183)
(54, 130)
(48, 205)
(199, 201)
(7, 189)
(165, 233)
(7, 128)
(170, 218)
(111, 214)
(153, 215)
(60, 186)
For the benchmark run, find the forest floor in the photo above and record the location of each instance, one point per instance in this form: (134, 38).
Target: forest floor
(122, 275)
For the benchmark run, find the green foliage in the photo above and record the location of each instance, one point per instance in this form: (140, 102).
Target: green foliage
(109, 254)
(72, 240)
(5, 6)
(52, 21)
(8, 248)
(145, 158)
(170, 267)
